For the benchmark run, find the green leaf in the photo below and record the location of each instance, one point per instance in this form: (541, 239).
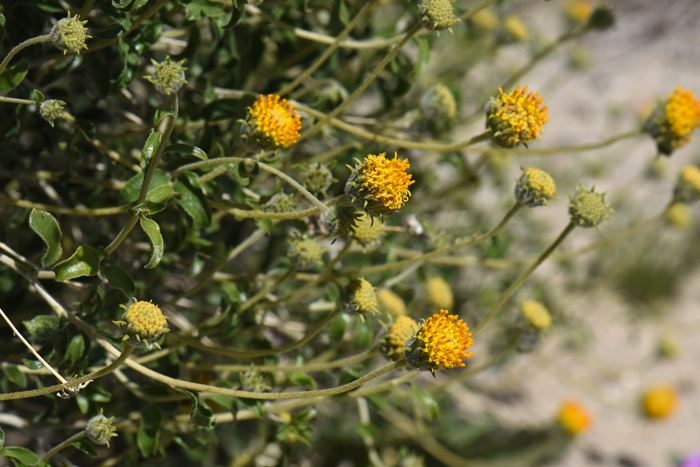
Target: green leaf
(236, 15)
(188, 150)
(46, 353)
(25, 456)
(201, 414)
(338, 326)
(199, 8)
(243, 181)
(119, 278)
(427, 402)
(75, 349)
(349, 375)
(38, 97)
(423, 57)
(193, 201)
(163, 111)
(147, 438)
(42, 327)
(149, 149)
(2, 36)
(46, 227)
(11, 77)
(364, 332)
(16, 376)
(343, 13)
(152, 229)
(86, 447)
(160, 195)
(2, 438)
(84, 262)
(130, 192)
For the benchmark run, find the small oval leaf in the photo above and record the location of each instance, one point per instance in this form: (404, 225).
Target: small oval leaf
(23, 455)
(189, 150)
(11, 77)
(119, 278)
(84, 262)
(160, 195)
(152, 229)
(46, 227)
(149, 149)
(42, 327)
(193, 201)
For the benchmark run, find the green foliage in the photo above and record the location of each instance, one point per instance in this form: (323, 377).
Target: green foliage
(84, 262)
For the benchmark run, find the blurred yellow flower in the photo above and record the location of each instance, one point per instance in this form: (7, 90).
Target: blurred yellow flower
(660, 401)
(574, 418)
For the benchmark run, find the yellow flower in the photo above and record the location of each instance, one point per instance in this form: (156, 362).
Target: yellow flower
(579, 10)
(395, 338)
(515, 118)
(379, 185)
(574, 418)
(391, 303)
(441, 342)
(682, 112)
(688, 186)
(673, 120)
(142, 323)
(485, 19)
(537, 314)
(360, 297)
(516, 29)
(272, 122)
(534, 187)
(440, 293)
(660, 401)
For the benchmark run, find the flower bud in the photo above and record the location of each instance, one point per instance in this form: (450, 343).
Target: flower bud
(394, 339)
(367, 230)
(536, 315)
(515, 118)
(69, 35)
(438, 103)
(305, 253)
(100, 429)
(317, 178)
(687, 187)
(438, 15)
(391, 304)
(587, 208)
(142, 323)
(534, 187)
(51, 109)
(439, 293)
(168, 76)
(359, 297)
(340, 220)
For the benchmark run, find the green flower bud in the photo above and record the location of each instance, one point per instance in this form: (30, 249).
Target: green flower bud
(253, 380)
(602, 17)
(282, 203)
(438, 15)
(305, 253)
(100, 429)
(438, 103)
(367, 230)
(359, 297)
(51, 109)
(534, 187)
(587, 208)
(317, 178)
(69, 35)
(168, 77)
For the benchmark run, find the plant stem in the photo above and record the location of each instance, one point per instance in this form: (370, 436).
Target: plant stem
(260, 353)
(524, 275)
(12, 100)
(73, 383)
(64, 444)
(22, 45)
(433, 254)
(63, 210)
(261, 294)
(385, 61)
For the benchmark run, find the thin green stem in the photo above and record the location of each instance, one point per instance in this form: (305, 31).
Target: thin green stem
(73, 385)
(259, 353)
(524, 275)
(64, 444)
(97, 212)
(148, 176)
(222, 168)
(308, 367)
(261, 294)
(12, 100)
(433, 254)
(253, 214)
(385, 61)
(18, 47)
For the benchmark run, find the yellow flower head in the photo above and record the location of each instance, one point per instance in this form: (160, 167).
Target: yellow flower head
(485, 19)
(272, 122)
(367, 230)
(142, 323)
(391, 304)
(688, 185)
(396, 336)
(379, 185)
(69, 35)
(534, 187)
(680, 215)
(441, 342)
(579, 10)
(537, 315)
(660, 401)
(516, 29)
(673, 120)
(439, 292)
(515, 118)
(574, 418)
(359, 297)
(682, 112)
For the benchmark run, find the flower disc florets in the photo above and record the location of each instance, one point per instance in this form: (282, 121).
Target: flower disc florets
(537, 315)
(51, 109)
(574, 418)
(439, 293)
(660, 401)
(587, 208)
(168, 76)
(282, 202)
(394, 339)
(69, 35)
(534, 187)
(379, 185)
(673, 120)
(438, 15)
(391, 304)
(142, 323)
(438, 103)
(272, 123)
(440, 342)
(100, 429)
(515, 118)
(359, 297)
(688, 185)
(367, 230)
(305, 253)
